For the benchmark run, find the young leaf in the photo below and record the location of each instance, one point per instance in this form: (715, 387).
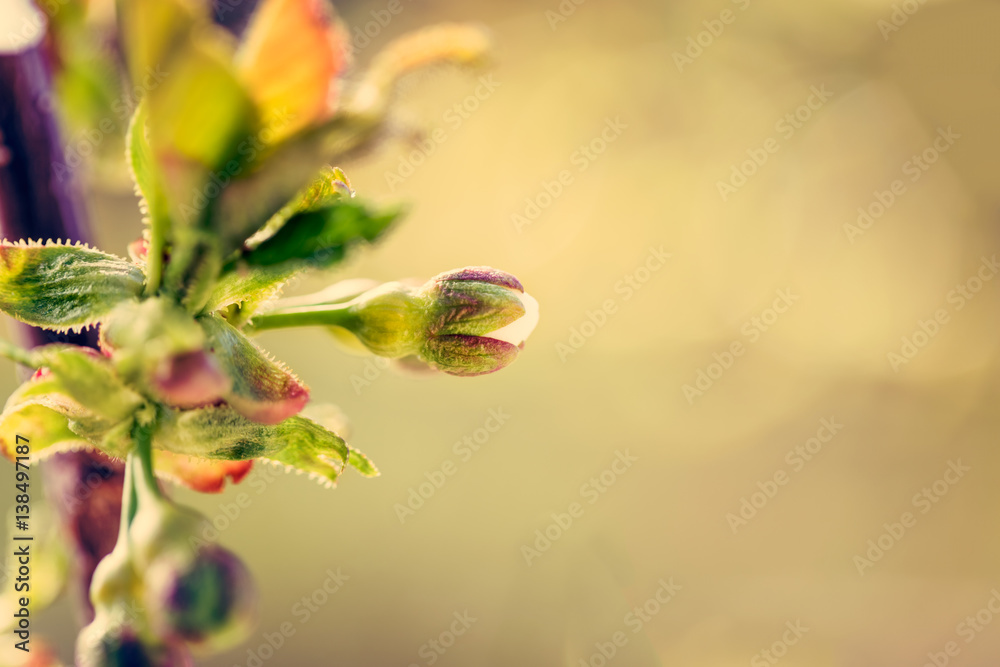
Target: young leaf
(222, 433)
(251, 288)
(153, 202)
(152, 29)
(40, 411)
(46, 430)
(263, 390)
(248, 203)
(291, 56)
(320, 238)
(362, 464)
(200, 111)
(90, 379)
(63, 287)
(330, 187)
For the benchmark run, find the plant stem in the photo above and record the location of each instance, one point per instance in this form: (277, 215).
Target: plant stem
(129, 504)
(154, 259)
(143, 437)
(17, 354)
(330, 315)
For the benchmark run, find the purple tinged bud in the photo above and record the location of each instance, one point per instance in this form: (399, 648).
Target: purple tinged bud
(190, 380)
(111, 642)
(468, 356)
(482, 274)
(208, 600)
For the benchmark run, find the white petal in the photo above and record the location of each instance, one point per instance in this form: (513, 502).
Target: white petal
(518, 331)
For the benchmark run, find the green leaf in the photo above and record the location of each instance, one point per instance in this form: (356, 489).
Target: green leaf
(46, 430)
(362, 464)
(152, 29)
(249, 288)
(263, 389)
(203, 132)
(90, 379)
(251, 201)
(63, 287)
(150, 190)
(330, 187)
(320, 238)
(42, 412)
(200, 111)
(222, 433)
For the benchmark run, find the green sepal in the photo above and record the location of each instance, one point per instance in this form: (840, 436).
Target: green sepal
(142, 334)
(472, 308)
(63, 287)
(263, 389)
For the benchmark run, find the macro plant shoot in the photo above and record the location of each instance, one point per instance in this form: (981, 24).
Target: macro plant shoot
(389, 333)
(146, 357)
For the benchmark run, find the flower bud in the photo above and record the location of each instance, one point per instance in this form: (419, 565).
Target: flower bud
(156, 344)
(161, 528)
(207, 599)
(114, 579)
(190, 380)
(113, 640)
(468, 355)
(465, 322)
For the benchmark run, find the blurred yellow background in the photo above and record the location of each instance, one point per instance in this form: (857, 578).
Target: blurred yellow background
(738, 380)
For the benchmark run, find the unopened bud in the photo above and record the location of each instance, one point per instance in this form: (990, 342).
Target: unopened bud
(114, 640)
(190, 380)
(208, 600)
